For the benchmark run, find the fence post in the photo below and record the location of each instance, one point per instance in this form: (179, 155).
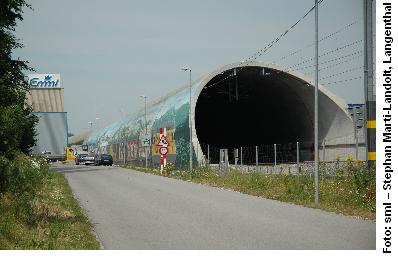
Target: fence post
(241, 156)
(208, 153)
(298, 157)
(125, 152)
(355, 133)
(197, 154)
(323, 149)
(274, 154)
(256, 157)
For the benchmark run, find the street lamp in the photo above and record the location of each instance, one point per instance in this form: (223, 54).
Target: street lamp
(91, 123)
(146, 132)
(185, 68)
(316, 132)
(145, 97)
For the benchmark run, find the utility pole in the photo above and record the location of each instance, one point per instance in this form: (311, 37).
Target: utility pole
(369, 88)
(316, 151)
(146, 132)
(190, 115)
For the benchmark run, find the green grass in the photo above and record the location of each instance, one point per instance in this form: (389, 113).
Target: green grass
(47, 217)
(352, 191)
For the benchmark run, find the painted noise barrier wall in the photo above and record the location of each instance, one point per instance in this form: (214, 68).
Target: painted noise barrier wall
(237, 105)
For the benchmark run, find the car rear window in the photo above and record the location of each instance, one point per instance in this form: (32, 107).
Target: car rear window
(106, 157)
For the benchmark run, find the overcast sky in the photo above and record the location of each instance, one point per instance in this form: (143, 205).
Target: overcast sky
(110, 52)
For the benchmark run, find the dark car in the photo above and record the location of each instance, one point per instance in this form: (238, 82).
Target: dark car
(79, 158)
(103, 159)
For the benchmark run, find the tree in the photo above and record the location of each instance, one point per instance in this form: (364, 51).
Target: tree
(17, 124)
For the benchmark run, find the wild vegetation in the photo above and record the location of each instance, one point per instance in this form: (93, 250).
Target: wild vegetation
(17, 124)
(37, 209)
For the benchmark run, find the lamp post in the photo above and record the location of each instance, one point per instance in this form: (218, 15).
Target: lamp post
(96, 123)
(146, 132)
(91, 130)
(185, 68)
(91, 123)
(316, 153)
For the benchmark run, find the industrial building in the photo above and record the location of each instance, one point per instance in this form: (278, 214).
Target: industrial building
(46, 97)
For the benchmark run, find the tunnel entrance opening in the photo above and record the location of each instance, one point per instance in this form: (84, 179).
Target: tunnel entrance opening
(257, 107)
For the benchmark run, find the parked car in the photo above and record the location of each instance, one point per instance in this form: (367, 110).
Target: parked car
(89, 159)
(103, 159)
(79, 158)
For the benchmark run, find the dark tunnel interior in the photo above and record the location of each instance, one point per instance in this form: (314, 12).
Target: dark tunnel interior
(257, 107)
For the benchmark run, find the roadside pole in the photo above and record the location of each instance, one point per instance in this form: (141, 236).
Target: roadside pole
(256, 157)
(316, 149)
(241, 156)
(298, 157)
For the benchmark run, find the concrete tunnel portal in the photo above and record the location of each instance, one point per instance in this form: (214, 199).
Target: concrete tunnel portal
(258, 106)
(236, 106)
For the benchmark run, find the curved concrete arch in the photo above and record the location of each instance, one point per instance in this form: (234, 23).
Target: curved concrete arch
(261, 105)
(335, 122)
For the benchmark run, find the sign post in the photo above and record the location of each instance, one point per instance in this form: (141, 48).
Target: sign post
(146, 142)
(163, 150)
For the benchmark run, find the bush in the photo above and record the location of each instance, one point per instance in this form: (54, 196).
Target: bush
(352, 189)
(17, 130)
(38, 210)
(23, 177)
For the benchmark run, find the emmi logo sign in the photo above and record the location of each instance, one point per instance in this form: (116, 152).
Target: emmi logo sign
(44, 81)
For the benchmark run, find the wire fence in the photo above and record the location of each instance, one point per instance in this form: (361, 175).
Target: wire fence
(259, 155)
(351, 147)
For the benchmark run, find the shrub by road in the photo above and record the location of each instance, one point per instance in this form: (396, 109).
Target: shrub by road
(38, 210)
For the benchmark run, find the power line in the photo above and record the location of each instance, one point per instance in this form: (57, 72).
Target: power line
(263, 50)
(322, 39)
(337, 74)
(342, 62)
(327, 53)
(328, 61)
(342, 81)
(260, 52)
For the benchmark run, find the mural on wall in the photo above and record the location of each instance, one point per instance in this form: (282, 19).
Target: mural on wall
(122, 139)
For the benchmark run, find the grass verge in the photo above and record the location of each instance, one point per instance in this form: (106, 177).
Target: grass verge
(45, 216)
(352, 191)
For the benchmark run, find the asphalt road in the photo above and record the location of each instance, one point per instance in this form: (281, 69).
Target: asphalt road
(134, 210)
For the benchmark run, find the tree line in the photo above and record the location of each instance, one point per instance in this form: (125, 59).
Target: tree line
(17, 123)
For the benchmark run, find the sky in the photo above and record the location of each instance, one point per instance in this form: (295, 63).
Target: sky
(110, 52)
